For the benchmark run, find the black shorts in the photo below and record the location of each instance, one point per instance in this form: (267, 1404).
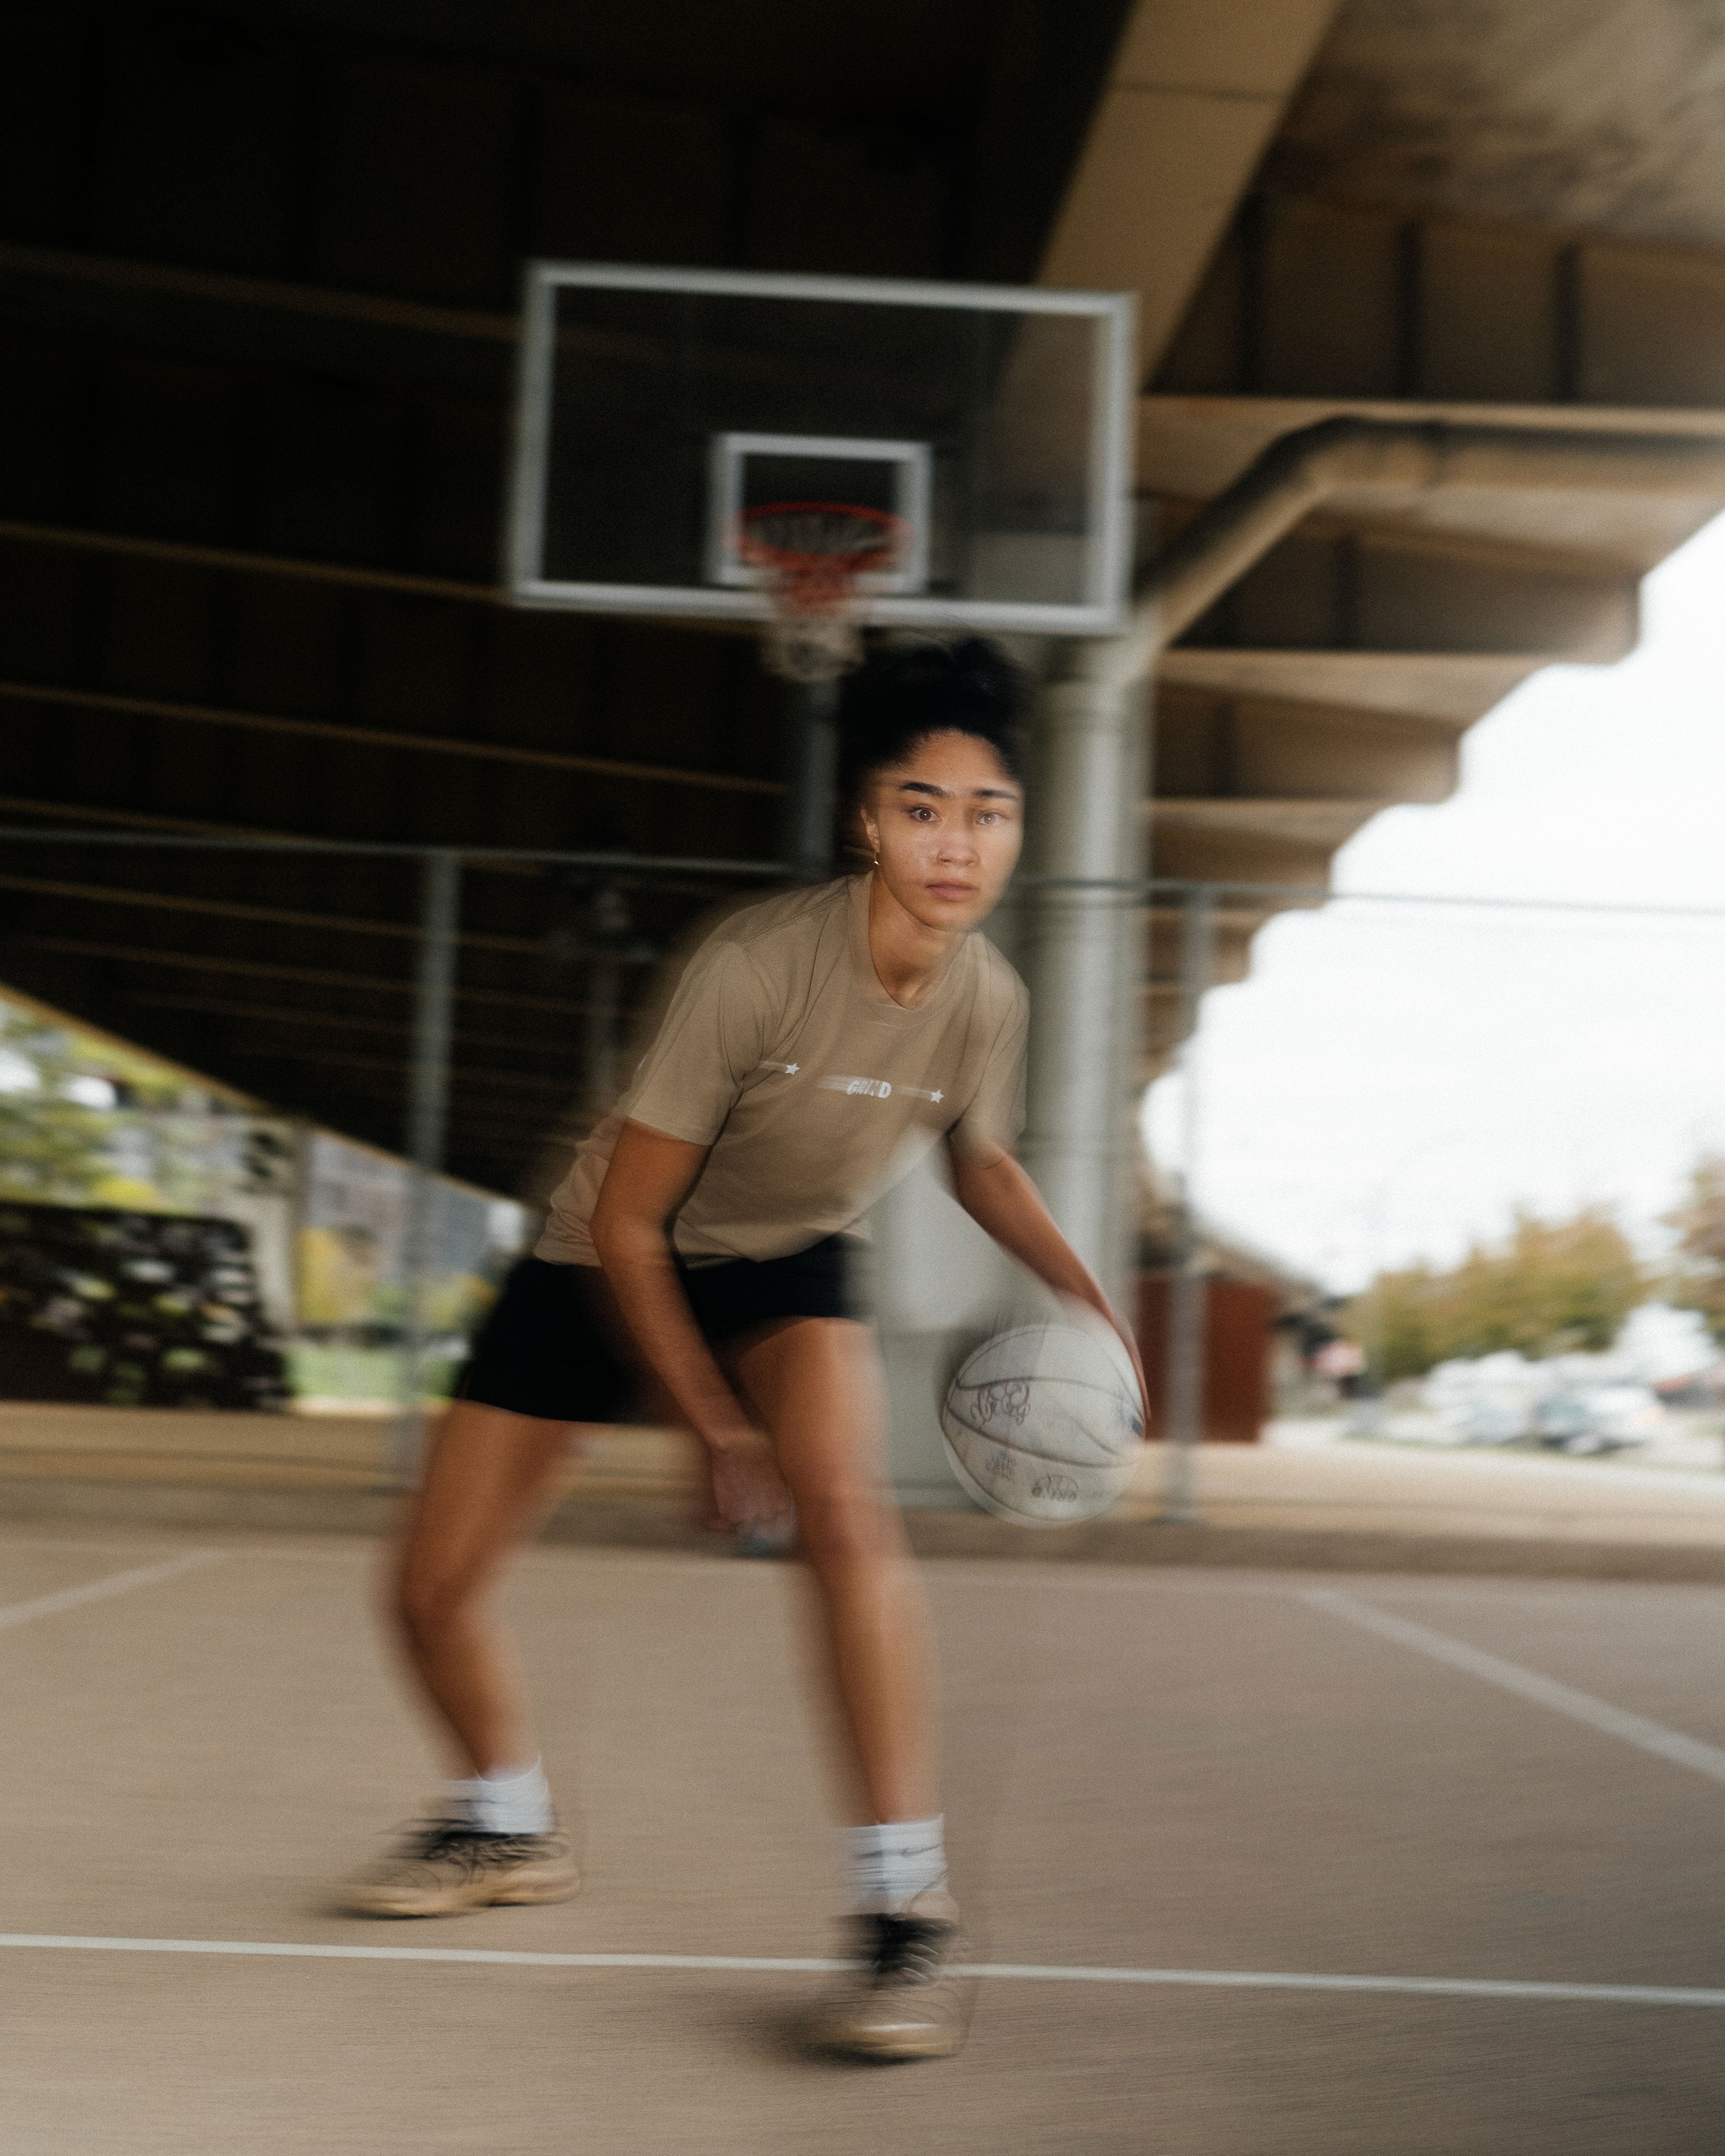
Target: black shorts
(554, 1347)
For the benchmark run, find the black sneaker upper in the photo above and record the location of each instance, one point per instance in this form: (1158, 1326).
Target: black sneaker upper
(454, 1841)
(904, 1949)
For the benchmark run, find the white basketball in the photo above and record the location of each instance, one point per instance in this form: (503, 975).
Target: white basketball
(1044, 1424)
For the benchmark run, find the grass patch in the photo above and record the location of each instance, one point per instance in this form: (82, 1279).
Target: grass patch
(359, 1374)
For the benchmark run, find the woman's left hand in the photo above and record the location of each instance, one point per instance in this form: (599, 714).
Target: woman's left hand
(1131, 1347)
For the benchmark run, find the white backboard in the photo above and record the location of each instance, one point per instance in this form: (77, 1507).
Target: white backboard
(656, 405)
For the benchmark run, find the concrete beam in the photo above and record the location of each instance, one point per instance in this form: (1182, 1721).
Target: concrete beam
(1441, 687)
(1306, 823)
(1227, 748)
(1311, 297)
(1194, 98)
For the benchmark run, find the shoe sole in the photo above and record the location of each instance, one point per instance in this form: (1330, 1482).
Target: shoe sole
(933, 2043)
(932, 2039)
(460, 1901)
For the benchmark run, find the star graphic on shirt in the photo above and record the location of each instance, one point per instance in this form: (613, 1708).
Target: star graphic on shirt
(936, 1097)
(792, 1069)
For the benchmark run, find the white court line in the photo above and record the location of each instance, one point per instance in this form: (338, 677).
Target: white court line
(99, 1590)
(1598, 1714)
(1227, 1979)
(1535, 1589)
(1267, 1584)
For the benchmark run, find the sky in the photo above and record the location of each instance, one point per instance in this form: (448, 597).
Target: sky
(1394, 1080)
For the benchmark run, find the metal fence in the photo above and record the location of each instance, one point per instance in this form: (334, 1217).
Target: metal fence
(433, 920)
(1191, 921)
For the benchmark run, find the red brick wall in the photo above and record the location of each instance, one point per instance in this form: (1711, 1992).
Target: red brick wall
(1237, 1337)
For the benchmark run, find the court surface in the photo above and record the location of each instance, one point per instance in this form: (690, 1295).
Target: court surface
(1183, 1806)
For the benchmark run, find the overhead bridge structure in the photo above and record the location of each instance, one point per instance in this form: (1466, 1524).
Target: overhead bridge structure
(1433, 373)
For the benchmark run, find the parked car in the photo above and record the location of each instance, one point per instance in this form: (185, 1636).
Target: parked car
(1600, 1418)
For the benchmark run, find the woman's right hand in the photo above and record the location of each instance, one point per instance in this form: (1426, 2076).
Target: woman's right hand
(748, 1490)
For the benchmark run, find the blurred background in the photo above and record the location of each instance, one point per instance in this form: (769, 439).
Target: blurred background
(257, 289)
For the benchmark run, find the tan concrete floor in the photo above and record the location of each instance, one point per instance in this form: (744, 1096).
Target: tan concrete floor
(1203, 1772)
(1392, 1488)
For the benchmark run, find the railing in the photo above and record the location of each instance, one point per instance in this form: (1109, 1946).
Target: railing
(435, 926)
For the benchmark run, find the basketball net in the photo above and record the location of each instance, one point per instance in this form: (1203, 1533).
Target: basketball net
(813, 553)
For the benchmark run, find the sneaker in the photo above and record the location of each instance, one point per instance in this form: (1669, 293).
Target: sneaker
(445, 1867)
(904, 2002)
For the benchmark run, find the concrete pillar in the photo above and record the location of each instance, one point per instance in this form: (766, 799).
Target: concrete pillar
(942, 1287)
(1082, 958)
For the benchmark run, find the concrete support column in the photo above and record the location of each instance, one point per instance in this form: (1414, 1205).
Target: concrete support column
(942, 1287)
(1083, 957)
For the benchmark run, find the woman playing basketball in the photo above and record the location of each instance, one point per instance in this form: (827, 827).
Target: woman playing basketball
(817, 1044)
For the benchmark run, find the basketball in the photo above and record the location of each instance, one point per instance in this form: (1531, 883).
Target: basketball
(1044, 1424)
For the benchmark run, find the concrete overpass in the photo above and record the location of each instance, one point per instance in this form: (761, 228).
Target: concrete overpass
(256, 283)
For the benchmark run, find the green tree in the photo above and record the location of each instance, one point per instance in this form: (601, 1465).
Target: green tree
(1558, 1287)
(52, 1150)
(1553, 1288)
(1393, 1321)
(1696, 1281)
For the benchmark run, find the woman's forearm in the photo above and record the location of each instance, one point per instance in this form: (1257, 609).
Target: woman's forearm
(637, 1262)
(1004, 1202)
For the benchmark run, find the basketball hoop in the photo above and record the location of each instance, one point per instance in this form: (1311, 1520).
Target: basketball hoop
(814, 553)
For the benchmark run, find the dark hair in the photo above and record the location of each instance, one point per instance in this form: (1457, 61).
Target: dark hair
(902, 695)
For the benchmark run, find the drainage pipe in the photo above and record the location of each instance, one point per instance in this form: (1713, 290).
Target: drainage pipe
(1294, 475)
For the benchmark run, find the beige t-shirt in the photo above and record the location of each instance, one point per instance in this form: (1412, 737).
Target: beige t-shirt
(816, 1092)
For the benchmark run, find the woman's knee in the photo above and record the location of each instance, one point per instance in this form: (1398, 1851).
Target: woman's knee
(430, 1598)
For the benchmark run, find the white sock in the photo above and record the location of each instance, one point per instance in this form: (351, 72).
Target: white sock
(508, 1800)
(891, 1865)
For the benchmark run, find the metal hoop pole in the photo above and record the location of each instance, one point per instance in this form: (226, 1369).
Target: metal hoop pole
(812, 708)
(427, 1113)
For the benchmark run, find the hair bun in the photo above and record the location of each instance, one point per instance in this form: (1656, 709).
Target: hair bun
(902, 695)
